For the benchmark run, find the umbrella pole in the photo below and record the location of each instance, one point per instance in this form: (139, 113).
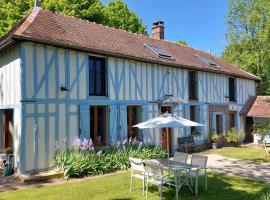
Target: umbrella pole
(168, 148)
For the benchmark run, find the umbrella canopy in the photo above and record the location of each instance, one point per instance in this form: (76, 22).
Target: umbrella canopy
(167, 121)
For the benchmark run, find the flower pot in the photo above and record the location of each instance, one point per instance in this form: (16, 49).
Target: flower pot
(214, 145)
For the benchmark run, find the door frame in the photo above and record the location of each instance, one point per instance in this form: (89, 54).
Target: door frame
(8, 115)
(164, 130)
(214, 124)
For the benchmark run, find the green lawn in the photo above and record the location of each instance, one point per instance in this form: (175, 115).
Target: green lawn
(243, 153)
(116, 187)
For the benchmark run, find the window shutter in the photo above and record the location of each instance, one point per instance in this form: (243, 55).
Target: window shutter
(112, 136)
(84, 122)
(2, 129)
(214, 124)
(186, 116)
(123, 122)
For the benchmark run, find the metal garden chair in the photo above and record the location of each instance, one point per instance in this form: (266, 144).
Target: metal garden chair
(137, 171)
(154, 175)
(179, 157)
(200, 171)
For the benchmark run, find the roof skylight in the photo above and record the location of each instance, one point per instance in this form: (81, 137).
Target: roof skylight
(208, 61)
(159, 52)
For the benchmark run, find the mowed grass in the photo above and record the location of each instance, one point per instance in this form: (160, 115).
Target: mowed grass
(116, 187)
(243, 152)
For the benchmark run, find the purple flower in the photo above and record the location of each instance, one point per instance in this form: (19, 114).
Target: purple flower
(124, 142)
(84, 144)
(77, 143)
(90, 145)
(57, 145)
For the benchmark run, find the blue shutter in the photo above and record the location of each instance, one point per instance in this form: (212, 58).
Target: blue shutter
(122, 122)
(186, 108)
(112, 136)
(1, 129)
(224, 123)
(214, 125)
(84, 121)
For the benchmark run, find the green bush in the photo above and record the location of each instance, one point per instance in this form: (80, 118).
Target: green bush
(81, 161)
(266, 196)
(213, 137)
(234, 136)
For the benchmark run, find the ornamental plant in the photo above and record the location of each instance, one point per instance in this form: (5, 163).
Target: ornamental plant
(213, 137)
(234, 136)
(84, 159)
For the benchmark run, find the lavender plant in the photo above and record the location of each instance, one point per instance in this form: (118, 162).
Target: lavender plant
(84, 159)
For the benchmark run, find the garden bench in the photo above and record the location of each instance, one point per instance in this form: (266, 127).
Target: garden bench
(188, 143)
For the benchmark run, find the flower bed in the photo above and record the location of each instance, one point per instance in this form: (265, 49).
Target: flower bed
(84, 159)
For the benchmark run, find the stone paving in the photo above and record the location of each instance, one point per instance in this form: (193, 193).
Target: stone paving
(244, 168)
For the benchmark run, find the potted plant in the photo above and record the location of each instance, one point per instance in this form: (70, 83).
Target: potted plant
(213, 139)
(7, 168)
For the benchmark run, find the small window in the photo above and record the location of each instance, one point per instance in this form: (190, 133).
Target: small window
(232, 91)
(133, 115)
(232, 119)
(97, 76)
(192, 79)
(98, 125)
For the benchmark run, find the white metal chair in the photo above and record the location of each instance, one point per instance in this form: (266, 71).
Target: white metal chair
(154, 175)
(137, 171)
(200, 171)
(179, 157)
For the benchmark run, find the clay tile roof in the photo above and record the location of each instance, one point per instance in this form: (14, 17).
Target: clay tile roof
(47, 27)
(260, 107)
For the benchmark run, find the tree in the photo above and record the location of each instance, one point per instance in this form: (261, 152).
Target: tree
(248, 34)
(119, 16)
(183, 42)
(115, 14)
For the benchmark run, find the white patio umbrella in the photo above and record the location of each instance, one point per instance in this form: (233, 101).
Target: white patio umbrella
(167, 120)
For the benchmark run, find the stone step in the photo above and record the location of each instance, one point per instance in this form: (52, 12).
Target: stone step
(41, 176)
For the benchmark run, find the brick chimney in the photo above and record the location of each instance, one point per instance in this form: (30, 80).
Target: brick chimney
(158, 30)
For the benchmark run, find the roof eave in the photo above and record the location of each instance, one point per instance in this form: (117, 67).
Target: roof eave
(119, 55)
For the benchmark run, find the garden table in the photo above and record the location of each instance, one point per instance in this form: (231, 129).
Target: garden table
(178, 167)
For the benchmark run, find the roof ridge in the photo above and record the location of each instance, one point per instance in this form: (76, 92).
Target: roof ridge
(28, 20)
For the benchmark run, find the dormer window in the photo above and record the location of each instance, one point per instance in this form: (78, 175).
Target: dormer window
(160, 52)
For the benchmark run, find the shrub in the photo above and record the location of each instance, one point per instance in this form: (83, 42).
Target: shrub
(83, 159)
(266, 196)
(214, 137)
(234, 136)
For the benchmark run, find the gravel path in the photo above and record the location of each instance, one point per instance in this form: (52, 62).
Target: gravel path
(231, 166)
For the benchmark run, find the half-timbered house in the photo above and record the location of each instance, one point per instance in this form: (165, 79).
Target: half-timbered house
(62, 78)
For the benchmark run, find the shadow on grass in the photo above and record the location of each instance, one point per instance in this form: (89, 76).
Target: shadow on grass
(220, 187)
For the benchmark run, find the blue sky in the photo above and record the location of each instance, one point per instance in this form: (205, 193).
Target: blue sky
(201, 23)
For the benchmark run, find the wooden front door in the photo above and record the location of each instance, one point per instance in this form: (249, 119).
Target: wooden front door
(219, 124)
(8, 140)
(165, 109)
